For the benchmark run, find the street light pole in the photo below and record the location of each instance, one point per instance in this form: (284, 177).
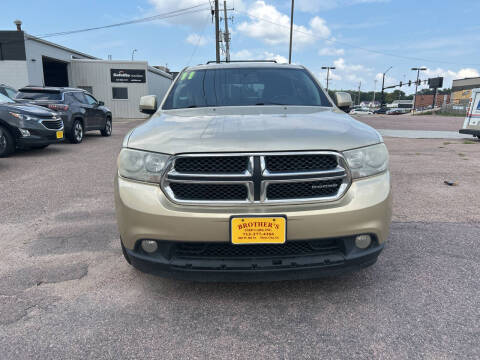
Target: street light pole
(133, 52)
(383, 87)
(328, 68)
(291, 33)
(374, 89)
(417, 69)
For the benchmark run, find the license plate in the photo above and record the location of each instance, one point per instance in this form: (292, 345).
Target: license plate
(258, 230)
(59, 134)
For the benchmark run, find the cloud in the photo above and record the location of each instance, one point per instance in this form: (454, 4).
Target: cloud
(278, 58)
(312, 6)
(194, 19)
(319, 27)
(274, 29)
(241, 55)
(328, 51)
(352, 73)
(197, 40)
(257, 55)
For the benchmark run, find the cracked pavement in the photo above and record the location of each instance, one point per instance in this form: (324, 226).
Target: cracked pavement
(66, 291)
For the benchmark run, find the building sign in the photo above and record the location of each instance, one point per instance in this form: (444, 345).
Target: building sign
(435, 83)
(127, 76)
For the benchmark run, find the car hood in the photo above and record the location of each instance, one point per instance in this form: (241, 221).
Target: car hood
(29, 109)
(251, 129)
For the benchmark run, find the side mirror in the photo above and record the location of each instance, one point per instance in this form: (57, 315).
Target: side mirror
(148, 104)
(101, 103)
(343, 100)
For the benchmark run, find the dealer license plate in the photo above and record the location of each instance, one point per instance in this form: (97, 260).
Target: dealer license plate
(258, 230)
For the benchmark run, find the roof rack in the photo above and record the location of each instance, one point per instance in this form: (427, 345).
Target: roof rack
(240, 61)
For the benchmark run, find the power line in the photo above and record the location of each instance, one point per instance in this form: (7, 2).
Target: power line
(185, 11)
(360, 47)
(197, 45)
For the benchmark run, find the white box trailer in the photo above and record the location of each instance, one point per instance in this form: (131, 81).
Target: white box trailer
(471, 125)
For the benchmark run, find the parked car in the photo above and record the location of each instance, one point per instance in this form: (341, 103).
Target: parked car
(397, 111)
(8, 91)
(27, 126)
(248, 172)
(79, 110)
(381, 110)
(361, 111)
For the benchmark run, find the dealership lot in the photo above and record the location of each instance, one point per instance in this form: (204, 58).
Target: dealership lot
(66, 291)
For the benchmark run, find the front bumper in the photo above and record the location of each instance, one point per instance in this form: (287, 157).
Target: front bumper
(39, 134)
(328, 262)
(143, 212)
(35, 140)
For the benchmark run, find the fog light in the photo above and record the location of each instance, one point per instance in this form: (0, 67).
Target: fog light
(363, 241)
(149, 246)
(24, 132)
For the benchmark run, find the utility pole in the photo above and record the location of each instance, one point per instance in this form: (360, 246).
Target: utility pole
(359, 86)
(383, 87)
(417, 69)
(328, 68)
(217, 32)
(374, 88)
(291, 33)
(226, 35)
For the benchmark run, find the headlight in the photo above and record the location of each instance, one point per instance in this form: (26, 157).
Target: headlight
(23, 116)
(141, 165)
(367, 161)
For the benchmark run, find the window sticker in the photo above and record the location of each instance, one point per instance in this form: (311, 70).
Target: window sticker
(191, 75)
(184, 75)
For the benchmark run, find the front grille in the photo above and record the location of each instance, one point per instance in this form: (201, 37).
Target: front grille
(303, 190)
(300, 163)
(53, 124)
(218, 179)
(209, 192)
(212, 165)
(228, 251)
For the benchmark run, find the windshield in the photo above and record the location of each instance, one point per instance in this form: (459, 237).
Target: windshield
(5, 99)
(39, 95)
(245, 87)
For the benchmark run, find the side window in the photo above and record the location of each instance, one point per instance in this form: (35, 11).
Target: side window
(69, 99)
(90, 99)
(120, 93)
(11, 93)
(79, 98)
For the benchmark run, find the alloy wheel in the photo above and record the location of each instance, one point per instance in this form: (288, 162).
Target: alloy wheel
(78, 131)
(108, 127)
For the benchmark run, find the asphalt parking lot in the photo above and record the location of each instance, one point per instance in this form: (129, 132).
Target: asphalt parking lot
(66, 291)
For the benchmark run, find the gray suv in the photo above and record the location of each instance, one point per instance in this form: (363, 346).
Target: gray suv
(79, 110)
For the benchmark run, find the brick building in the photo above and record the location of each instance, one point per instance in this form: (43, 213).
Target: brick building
(423, 101)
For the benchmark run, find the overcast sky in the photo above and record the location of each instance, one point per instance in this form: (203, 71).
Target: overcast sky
(362, 38)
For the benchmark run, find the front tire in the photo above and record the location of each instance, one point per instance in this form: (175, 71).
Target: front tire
(107, 131)
(7, 142)
(76, 134)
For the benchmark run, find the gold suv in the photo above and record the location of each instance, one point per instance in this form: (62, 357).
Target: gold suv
(248, 172)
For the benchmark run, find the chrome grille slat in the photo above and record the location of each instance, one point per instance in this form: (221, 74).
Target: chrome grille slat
(335, 178)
